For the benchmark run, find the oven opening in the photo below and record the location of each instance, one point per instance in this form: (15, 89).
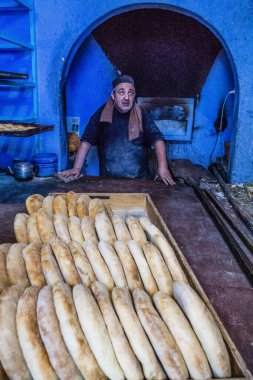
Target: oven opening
(183, 78)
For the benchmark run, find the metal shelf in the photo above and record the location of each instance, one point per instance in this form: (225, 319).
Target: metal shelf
(15, 41)
(16, 85)
(20, 5)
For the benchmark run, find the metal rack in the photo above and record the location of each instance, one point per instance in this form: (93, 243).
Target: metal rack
(19, 87)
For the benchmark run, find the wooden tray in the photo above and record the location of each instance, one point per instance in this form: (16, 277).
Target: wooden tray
(141, 204)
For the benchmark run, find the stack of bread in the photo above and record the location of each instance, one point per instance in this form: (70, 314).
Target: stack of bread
(87, 294)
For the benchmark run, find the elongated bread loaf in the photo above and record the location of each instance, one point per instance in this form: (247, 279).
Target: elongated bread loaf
(49, 264)
(129, 266)
(163, 342)
(95, 331)
(32, 229)
(32, 257)
(4, 247)
(136, 230)
(88, 229)
(137, 338)
(73, 335)
(34, 203)
(104, 228)
(15, 266)
(47, 204)
(65, 262)
(82, 264)
(71, 197)
(98, 264)
(61, 227)
(60, 204)
(123, 351)
(11, 355)
(29, 337)
(51, 336)
(205, 328)
(158, 268)
(120, 228)
(113, 263)
(20, 228)
(95, 206)
(45, 226)
(149, 228)
(142, 265)
(75, 231)
(4, 280)
(184, 336)
(82, 206)
(170, 258)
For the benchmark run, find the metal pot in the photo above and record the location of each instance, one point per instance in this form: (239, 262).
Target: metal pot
(22, 171)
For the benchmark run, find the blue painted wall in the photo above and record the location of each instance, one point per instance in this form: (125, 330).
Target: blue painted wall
(62, 26)
(88, 86)
(206, 145)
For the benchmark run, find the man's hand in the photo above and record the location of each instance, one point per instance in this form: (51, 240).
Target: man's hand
(163, 174)
(74, 172)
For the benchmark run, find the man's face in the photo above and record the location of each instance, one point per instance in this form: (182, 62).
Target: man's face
(123, 96)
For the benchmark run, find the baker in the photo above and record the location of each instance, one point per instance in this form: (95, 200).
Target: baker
(122, 132)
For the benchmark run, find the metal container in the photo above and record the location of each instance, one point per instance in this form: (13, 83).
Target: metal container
(23, 171)
(45, 163)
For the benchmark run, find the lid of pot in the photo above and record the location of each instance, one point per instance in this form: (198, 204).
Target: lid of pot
(44, 158)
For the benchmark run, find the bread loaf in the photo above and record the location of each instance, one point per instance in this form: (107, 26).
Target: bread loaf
(82, 206)
(82, 264)
(123, 351)
(15, 266)
(205, 328)
(29, 337)
(120, 228)
(160, 337)
(142, 265)
(98, 264)
(95, 331)
(4, 280)
(45, 226)
(75, 231)
(49, 264)
(71, 203)
(88, 229)
(95, 206)
(136, 230)
(184, 336)
(32, 229)
(47, 204)
(129, 266)
(4, 247)
(20, 228)
(31, 255)
(51, 336)
(73, 335)
(65, 262)
(34, 203)
(104, 228)
(61, 227)
(113, 263)
(149, 228)
(158, 268)
(11, 355)
(170, 258)
(136, 336)
(60, 204)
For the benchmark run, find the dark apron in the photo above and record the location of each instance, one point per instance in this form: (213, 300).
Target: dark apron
(118, 156)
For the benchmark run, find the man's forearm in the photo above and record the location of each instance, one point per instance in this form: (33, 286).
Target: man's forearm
(160, 149)
(81, 155)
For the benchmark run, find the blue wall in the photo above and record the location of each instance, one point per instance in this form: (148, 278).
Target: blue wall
(88, 86)
(62, 26)
(206, 145)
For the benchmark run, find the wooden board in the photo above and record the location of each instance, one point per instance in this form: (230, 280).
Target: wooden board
(141, 204)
